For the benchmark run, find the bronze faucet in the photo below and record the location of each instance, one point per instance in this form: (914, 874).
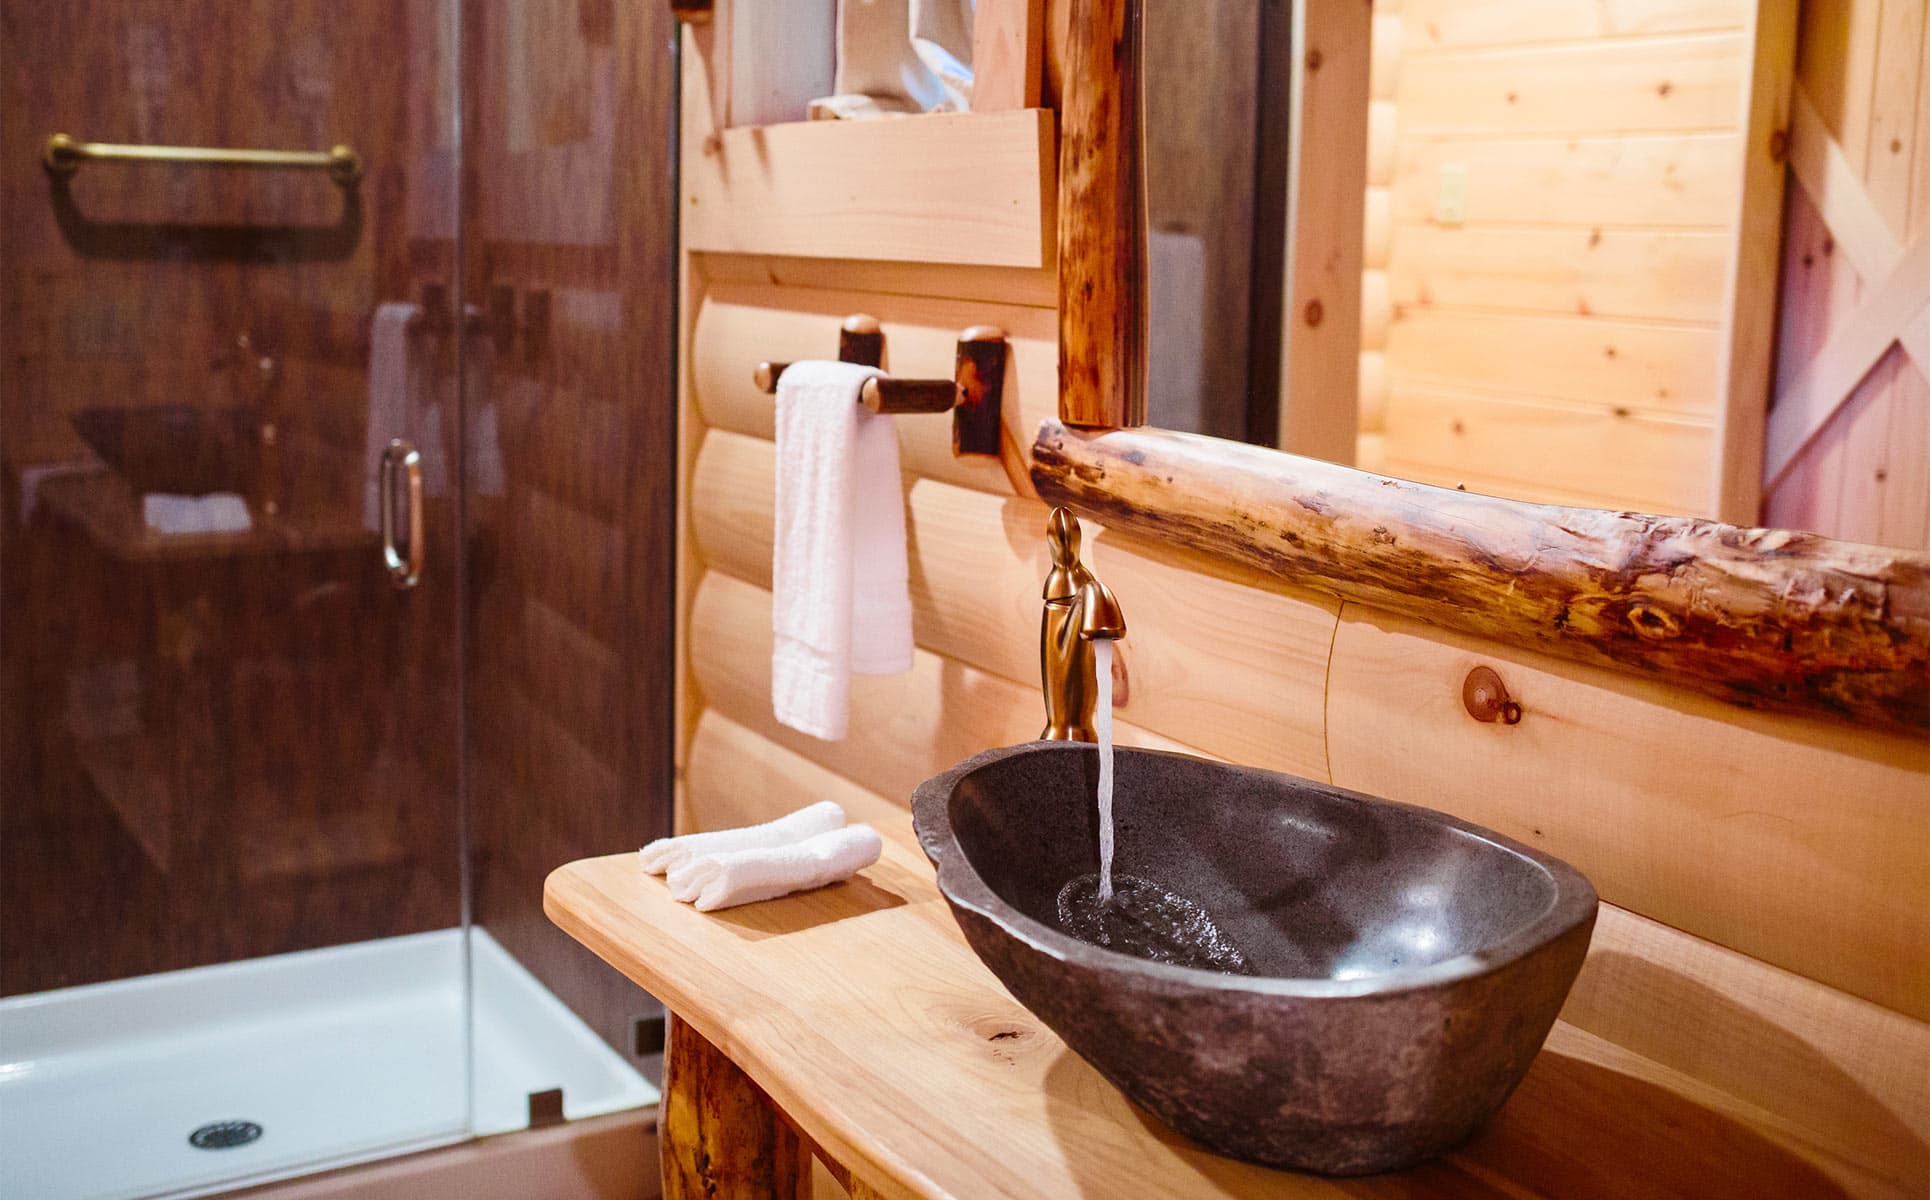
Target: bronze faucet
(1078, 610)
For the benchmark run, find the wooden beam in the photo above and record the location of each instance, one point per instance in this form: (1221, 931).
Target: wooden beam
(722, 1138)
(1831, 181)
(1809, 401)
(1008, 54)
(1102, 220)
(1763, 618)
(1749, 299)
(1320, 358)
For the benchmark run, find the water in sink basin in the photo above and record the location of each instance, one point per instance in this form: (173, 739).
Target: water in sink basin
(1148, 921)
(1137, 916)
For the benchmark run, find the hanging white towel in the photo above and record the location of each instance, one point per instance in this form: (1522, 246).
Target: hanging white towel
(746, 876)
(841, 599)
(667, 854)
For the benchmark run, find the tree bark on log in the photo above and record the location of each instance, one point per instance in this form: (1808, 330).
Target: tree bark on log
(722, 1138)
(1770, 619)
(1102, 220)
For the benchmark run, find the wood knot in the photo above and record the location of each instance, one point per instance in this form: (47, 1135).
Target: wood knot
(1652, 623)
(1314, 59)
(1779, 146)
(1316, 312)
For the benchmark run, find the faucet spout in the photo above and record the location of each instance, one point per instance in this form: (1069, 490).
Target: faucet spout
(1078, 611)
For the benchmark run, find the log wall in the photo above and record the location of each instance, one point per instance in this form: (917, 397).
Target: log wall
(1764, 875)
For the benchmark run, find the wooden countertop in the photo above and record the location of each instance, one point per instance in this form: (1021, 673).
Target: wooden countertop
(862, 1012)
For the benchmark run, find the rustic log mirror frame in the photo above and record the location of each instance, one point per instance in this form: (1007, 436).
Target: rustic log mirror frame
(1770, 619)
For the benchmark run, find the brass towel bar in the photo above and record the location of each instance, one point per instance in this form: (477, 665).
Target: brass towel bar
(974, 395)
(64, 155)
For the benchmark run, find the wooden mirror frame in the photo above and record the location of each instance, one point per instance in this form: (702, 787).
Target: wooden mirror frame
(1770, 619)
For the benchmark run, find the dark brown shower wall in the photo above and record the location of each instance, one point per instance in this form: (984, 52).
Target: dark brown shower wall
(567, 216)
(231, 745)
(212, 756)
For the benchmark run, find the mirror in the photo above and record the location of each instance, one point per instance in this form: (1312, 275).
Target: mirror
(1565, 272)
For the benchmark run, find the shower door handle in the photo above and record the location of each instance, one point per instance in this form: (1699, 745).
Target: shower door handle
(403, 572)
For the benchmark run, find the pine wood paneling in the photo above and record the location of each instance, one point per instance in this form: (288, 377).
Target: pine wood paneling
(1675, 84)
(1447, 24)
(1633, 273)
(1656, 180)
(1844, 1073)
(738, 326)
(1595, 361)
(1643, 461)
(1228, 668)
(904, 728)
(981, 190)
(737, 777)
(1732, 826)
(1598, 150)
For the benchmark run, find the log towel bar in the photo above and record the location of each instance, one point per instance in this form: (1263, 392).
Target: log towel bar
(973, 395)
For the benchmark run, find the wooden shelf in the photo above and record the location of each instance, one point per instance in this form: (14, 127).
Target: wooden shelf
(972, 188)
(867, 1020)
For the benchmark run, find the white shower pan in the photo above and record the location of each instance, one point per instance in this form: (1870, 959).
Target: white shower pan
(334, 1056)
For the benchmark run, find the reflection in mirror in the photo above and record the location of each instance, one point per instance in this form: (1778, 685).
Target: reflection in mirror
(1568, 235)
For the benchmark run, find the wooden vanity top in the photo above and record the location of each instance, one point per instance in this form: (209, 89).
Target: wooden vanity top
(862, 1012)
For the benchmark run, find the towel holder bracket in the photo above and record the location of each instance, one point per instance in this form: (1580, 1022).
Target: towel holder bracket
(974, 395)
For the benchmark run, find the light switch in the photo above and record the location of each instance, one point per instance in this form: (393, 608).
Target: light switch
(1451, 203)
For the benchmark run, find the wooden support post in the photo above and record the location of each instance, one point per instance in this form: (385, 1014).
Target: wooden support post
(1102, 220)
(1320, 353)
(722, 1138)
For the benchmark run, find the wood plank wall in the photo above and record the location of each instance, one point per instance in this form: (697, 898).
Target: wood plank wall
(1563, 341)
(1864, 67)
(1766, 880)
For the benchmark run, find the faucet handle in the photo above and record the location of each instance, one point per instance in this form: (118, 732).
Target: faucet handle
(1062, 535)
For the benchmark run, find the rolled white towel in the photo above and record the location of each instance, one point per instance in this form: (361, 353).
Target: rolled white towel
(746, 876)
(217, 512)
(667, 854)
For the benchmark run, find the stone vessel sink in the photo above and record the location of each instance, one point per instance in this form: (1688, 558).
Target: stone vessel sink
(1405, 966)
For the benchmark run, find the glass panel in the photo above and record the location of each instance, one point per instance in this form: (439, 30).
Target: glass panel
(570, 464)
(230, 835)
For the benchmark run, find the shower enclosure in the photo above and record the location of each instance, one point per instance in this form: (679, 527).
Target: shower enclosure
(328, 561)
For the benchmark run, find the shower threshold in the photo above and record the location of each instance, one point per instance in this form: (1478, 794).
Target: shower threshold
(198, 1081)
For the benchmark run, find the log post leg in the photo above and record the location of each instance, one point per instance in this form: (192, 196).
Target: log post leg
(721, 1137)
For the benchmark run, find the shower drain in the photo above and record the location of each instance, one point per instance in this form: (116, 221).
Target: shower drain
(224, 1135)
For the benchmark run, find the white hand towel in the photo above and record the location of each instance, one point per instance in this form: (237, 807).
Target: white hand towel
(841, 597)
(667, 854)
(217, 512)
(746, 876)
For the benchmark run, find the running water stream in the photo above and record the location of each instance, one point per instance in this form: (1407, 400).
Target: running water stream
(1138, 917)
(1102, 722)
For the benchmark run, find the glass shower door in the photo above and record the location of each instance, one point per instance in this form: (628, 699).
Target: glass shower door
(231, 842)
